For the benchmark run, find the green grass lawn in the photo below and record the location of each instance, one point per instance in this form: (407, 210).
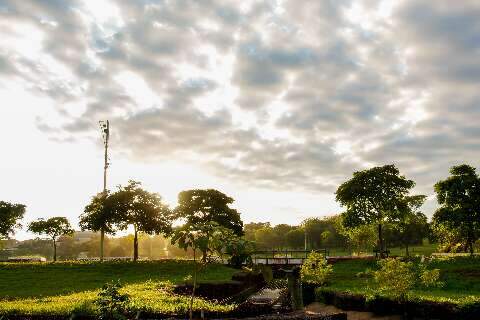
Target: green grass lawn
(461, 277)
(426, 249)
(61, 288)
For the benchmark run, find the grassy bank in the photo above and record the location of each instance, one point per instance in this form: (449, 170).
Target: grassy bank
(461, 277)
(426, 250)
(63, 288)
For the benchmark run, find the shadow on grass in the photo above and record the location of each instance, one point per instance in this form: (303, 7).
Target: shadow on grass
(23, 280)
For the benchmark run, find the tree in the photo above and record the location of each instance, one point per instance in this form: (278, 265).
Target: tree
(295, 238)
(199, 207)
(99, 215)
(359, 239)
(197, 237)
(249, 229)
(53, 228)
(227, 245)
(10, 213)
(266, 238)
(141, 209)
(459, 198)
(373, 196)
(410, 222)
(313, 228)
(280, 231)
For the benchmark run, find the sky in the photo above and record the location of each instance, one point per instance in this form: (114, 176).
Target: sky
(273, 102)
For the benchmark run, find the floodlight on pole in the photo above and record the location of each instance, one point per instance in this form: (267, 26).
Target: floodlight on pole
(105, 129)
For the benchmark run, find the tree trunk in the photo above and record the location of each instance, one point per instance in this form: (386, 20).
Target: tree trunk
(194, 283)
(406, 250)
(54, 250)
(470, 244)
(102, 238)
(380, 241)
(135, 245)
(204, 255)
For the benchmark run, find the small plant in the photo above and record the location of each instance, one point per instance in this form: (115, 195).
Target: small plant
(430, 278)
(397, 278)
(111, 303)
(315, 269)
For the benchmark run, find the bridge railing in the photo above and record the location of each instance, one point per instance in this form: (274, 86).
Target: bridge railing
(283, 257)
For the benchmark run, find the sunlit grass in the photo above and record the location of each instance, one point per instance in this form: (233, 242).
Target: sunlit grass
(461, 278)
(71, 287)
(147, 297)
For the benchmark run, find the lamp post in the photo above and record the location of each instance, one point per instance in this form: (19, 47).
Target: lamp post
(105, 129)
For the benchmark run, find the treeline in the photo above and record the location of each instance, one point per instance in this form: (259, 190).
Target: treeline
(380, 211)
(329, 233)
(68, 248)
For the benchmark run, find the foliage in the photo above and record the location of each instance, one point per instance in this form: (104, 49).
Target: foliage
(448, 239)
(99, 215)
(373, 196)
(295, 238)
(10, 213)
(249, 229)
(228, 245)
(409, 221)
(361, 238)
(315, 269)
(429, 278)
(397, 278)
(196, 236)
(201, 208)
(317, 232)
(53, 228)
(459, 198)
(141, 209)
(111, 303)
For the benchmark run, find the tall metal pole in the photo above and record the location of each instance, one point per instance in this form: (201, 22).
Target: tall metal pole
(106, 136)
(105, 127)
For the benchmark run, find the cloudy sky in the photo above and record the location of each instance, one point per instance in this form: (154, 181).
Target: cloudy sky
(274, 102)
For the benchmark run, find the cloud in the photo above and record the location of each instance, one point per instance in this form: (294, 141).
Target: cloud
(279, 94)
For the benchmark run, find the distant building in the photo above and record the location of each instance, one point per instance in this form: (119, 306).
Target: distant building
(84, 236)
(27, 259)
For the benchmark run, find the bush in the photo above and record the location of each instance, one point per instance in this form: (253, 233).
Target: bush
(397, 278)
(429, 278)
(315, 269)
(111, 303)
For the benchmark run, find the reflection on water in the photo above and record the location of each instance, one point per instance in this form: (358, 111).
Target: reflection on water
(352, 315)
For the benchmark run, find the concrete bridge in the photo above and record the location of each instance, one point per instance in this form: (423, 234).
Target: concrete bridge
(297, 257)
(283, 257)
